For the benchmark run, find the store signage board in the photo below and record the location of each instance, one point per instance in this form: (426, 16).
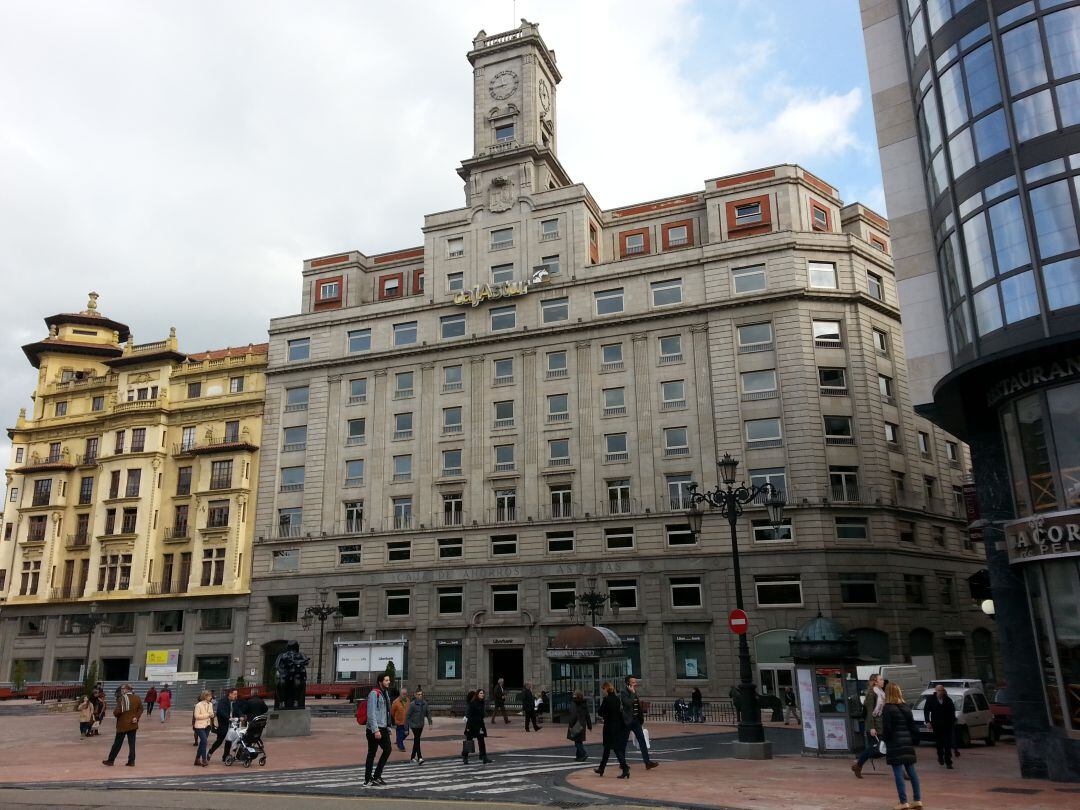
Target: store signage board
(506, 289)
(1044, 537)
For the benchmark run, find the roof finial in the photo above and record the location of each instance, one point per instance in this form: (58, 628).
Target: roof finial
(91, 305)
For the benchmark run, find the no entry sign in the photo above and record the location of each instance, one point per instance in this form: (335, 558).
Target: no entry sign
(736, 620)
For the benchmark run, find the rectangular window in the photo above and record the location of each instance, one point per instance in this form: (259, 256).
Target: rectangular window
(875, 286)
(504, 545)
(937, 533)
(354, 516)
(292, 479)
(670, 349)
(213, 569)
(823, 275)
(819, 217)
(405, 333)
(399, 550)
(194, 389)
(403, 426)
(780, 589)
(555, 310)
(451, 600)
(556, 365)
(676, 442)
(403, 385)
(633, 243)
(390, 286)
(217, 514)
(295, 438)
(398, 602)
(504, 414)
(138, 440)
(402, 508)
(558, 408)
(354, 472)
(168, 621)
(608, 302)
(763, 433)
(679, 534)
(451, 422)
(221, 474)
(451, 463)
(183, 481)
(672, 395)
(503, 318)
(691, 661)
(299, 349)
(619, 538)
(615, 447)
(561, 595)
(551, 264)
(505, 505)
(665, 293)
(349, 603)
(676, 235)
(455, 247)
(97, 404)
(562, 505)
(289, 521)
(329, 290)
(296, 399)
(452, 326)
(560, 541)
(451, 548)
(852, 528)
(455, 282)
(748, 279)
(236, 385)
(905, 531)
(881, 342)
(765, 532)
(686, 592)
(952, 451)
(549, 229)
(349, 555)
(61, 408)
(559, 453)
(504, 132)
(858, 589)
(915, 589)
(359, 340)
(502, 273)
(283, 609)
(832, 381)
(403, 468)
(502, 238)
(134, 479)
(504, 598)
(118, 442)
(838, 430)
(86, 490)
(827, 334)
(611, 357)
(892, 433)
(946, 590)
(748, 214)
(618, 490)
(885, 386)
(924, 444)
(755, 337)
(756, 383)
(678, 490)
(625, 591)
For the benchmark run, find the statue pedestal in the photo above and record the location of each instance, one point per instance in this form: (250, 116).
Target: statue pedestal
(288, 723)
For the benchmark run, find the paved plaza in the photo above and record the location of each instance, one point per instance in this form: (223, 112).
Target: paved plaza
(43, 763)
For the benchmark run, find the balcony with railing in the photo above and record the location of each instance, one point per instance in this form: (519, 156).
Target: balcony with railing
(505, 466)
(668, 359)
(557, 373)
(66, 593)
(504, 379)
(451, 472)
(452, 430)
(558, 416)
(502, 514)
(165, 587)
(403, 435)
(177, 534)
(451, 386)
(354, 526)
(619, 506)
(81, 539)
(616, 365)
(403, 393)
(286, 530)
(355, 481)
(355, 441)
(360, 399)
(452, 517)
(621, 455)
(503, 424)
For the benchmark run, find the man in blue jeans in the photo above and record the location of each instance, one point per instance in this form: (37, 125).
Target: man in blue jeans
(633, 717)
(874, 703)
(378, 731)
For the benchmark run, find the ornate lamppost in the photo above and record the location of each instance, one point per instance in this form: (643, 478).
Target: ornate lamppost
(592, 603)
(322, 612)
(729, 500)
(88, 624)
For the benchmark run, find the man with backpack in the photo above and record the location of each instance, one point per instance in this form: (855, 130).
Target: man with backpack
(374, 715)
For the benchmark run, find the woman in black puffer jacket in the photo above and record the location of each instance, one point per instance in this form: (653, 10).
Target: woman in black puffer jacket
(901, 734)
(475, 729)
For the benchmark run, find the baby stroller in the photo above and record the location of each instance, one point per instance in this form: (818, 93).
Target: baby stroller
(247, 742)
(682, 711)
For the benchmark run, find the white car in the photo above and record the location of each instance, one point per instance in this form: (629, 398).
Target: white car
(974, 720)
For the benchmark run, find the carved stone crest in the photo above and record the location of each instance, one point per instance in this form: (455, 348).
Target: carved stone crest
(501, 193)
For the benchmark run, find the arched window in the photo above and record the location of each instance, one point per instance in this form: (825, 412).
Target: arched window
(771, 647)
(921, 642)
(873, 645)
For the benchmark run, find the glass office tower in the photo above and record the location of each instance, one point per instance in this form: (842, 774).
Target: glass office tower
(977, 108)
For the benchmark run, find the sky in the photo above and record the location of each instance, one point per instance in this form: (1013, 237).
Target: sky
(183, 158)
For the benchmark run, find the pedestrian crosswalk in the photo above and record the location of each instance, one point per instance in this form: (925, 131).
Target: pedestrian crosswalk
(442, 777)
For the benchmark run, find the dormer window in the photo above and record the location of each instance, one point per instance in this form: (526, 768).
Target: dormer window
(504, 133)
(329, 290)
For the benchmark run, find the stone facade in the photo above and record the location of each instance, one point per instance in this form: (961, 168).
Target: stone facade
(130, 486)
(458, 434)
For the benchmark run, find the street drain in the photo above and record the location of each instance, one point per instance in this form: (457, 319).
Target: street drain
(1017, 791)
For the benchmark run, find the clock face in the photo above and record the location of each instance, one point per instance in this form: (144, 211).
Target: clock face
(545, 96)
(503, 84)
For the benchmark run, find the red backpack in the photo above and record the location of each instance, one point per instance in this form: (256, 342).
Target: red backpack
(361, 711)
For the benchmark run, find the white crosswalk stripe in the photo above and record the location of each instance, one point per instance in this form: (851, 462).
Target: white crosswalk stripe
(506, 775)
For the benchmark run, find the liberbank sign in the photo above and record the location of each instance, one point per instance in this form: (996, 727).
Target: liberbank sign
(506, 289)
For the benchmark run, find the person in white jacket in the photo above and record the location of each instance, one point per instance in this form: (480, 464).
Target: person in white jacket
(378, 731)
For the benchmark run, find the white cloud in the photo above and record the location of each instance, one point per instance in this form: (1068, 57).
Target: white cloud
(182, 159)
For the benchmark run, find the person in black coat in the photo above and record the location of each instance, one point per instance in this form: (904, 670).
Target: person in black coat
(610, 711)
(697, 707)
(940, 713)
(579, 721)
(528, 707)
(475, 728)
(901, 734)
(227, 708)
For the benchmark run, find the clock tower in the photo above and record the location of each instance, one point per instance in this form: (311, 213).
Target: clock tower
(514, 117)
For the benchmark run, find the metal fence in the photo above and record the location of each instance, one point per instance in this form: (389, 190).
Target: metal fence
(663, 710)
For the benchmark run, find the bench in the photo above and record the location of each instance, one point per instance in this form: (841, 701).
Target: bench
(343, 691)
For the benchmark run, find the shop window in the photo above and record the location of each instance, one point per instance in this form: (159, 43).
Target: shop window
(448, 654)
(690, 660)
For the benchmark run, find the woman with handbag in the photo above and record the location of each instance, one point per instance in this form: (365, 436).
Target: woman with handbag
(579, 721)
(614, 731)
(201, 718)
(475, 729)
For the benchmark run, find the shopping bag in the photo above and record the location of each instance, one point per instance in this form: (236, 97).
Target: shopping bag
(881, 748)
(468, 746)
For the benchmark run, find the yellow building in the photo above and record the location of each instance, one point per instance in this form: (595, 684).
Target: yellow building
(130, 492)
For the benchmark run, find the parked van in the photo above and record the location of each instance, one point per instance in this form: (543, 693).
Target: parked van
(974, 720)
(908, 677)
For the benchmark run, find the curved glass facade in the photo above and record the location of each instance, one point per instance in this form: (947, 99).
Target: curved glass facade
(995, 93)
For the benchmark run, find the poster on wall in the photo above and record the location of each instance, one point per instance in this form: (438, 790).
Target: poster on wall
(809, 712)
(691, 668)
(450, 668)
(835, 730)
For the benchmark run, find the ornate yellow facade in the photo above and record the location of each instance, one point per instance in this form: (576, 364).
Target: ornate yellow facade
(131, 485)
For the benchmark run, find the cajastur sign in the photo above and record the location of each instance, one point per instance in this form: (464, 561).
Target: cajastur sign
(506, 289)
(1044, 537)
(1033, 377)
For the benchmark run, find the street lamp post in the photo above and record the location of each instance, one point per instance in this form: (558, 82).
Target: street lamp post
(322, 612)
(729, 500)
(591, 602)
(88, 624)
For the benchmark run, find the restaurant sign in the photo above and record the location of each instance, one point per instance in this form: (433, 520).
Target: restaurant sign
(506, 289)
(1044, 537)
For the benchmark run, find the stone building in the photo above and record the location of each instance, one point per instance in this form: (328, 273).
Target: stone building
(977, 106)
(131, 487)
(459, 434)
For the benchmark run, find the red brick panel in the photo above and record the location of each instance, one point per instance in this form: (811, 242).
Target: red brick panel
(411, 253)
(754, 228)
(879, 243)
(417, 281)
(646, 250)
(594, 243)
(666, 228)
(330, 260)
(656, 206)
(739, 179)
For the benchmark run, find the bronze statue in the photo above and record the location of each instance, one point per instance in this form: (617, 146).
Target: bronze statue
(291, 668)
